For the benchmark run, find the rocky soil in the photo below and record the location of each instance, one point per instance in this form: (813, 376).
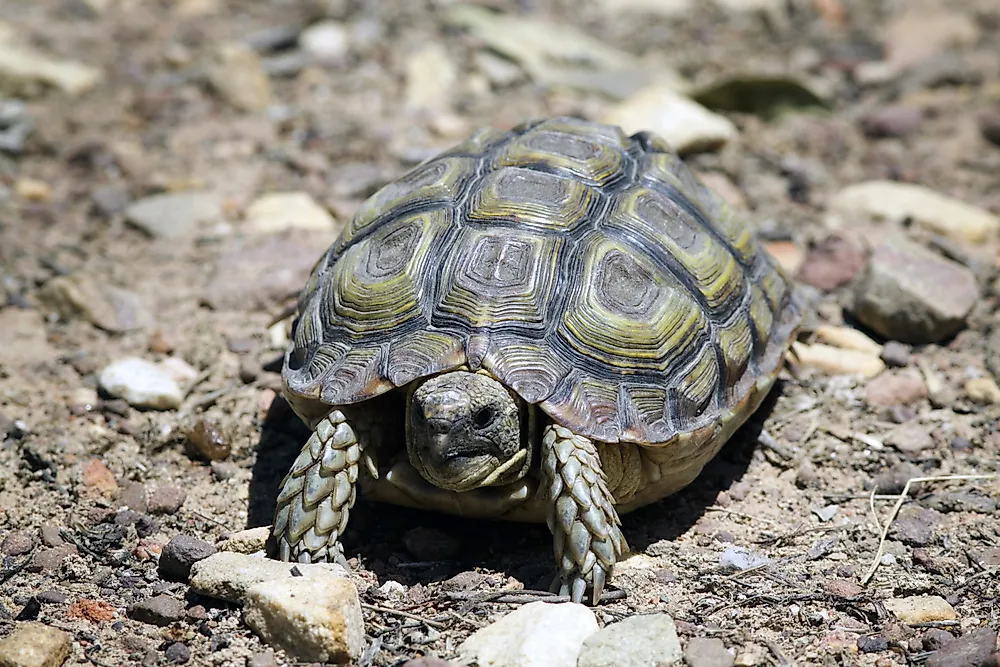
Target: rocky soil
(169, 171)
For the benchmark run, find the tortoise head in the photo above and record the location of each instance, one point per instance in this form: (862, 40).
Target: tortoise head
(466, 430)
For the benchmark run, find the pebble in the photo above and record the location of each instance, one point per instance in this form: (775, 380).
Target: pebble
(982, 390)
(48, 560)
(707, 652)
(835, 360)
(430, 76)
(206, 442)
(133, 496)
(97, 477)
(913, 295)
(314, 618)
(846, 338)
(430, 543)
(174, 215)
(935, 638)
(237, 74)
(917, 34)
(260, 273)
(894, 480)
(896, 354)
(143, 384)
(263, 659)
(17, 543)
(916, 530)
(228, 575)
(325, 42)
(166, 500)
(741, 558)
(539, 634)
(35, 645)
(976, 648)
(33, 190)
(686, 125)
(110, 200)
(895, 201)
(895, 388)
(843, 588)
(788, 255)
(910, 438)
(180, 553)
(159, 610)
(52, 596)
(247, 541)
(95, 611)
(921, 609)
(638, 641)
(23, 65)
(896, 120)
(16, 125)
(177, 653)
(278, 211)
(50, 536)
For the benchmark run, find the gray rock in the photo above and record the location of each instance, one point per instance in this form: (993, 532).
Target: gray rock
(912, 295)
(159, 610)
(247, 541)
(741, 558)
(317, 618)
(35, 645)
(174, 215)
(237, 74)
(178, 653)
(17, 543)
(50, 536)
(110, 200)
(105, 306)
(180, 553)
(15, 126)
(133, 496)
(48, 560)
(976, 648)
(707, 652)
(228, 575)
(539, 634)
(639, 641)
(263, 659)
(166, 500)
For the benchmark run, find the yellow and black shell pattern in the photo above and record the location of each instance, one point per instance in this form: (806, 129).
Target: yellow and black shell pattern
(588, 271)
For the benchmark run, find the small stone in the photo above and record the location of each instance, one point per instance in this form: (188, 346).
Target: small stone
(22, 65)
(177, 653)
(32, 190)
(142, 383)
(916, 530)
(110, 200)
(159, 610)
(264, 659)
(837, 361)
(430, 76)
(921, 609)
(247, 541)
(976, 648)
(174, 215)
(983, 391)
(910, 438)
(35, 645)
(17, 543)
(917, 34)
(315, 619)
(250, 370)
(637, 641)
(430, 544)
(52, 596)
(896, 201)
(237, 73)
(539, 634)
(279, 211)
(872, 644)
(707, 652)
(826, 513)
(105, 306)
(166, 500)
(842, 588)
(325, 42)
(895, 388)
(935, 638)
(50, 536)
(831, 263)
(896, 354)
(228, 575)
(788, 255)
(95, 611)
(914, 296)
(133, 496)
(206, 442)
(686, 125)
(223, 470)
(98, 478)
(180, 553)
(49, 560)
(896, 120)
(893, 481)
(741, 558)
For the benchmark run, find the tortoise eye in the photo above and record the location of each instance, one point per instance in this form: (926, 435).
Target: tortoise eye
(484, 417)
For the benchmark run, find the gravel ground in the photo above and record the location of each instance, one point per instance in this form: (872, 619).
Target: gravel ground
(131, 225)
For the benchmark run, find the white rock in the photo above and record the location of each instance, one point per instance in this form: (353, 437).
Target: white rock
(657, 7)
(142, 384)
(921, 609)
(639, 641)
(685, 124)
(174, 215)
(751, 5)
(183, 373)
(237, 74)
(227, 575)
(393, 589)
(316, 619)
(326, 42)
(741, 558)
(430, 77)
(23, 64)
(278, 211)
(247, 541)
(539, 634)
(894, 201)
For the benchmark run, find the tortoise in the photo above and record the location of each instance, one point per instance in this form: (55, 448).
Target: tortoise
(553, 323)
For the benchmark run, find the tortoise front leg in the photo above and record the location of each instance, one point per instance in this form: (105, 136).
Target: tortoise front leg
(318, 492)
(581, 515)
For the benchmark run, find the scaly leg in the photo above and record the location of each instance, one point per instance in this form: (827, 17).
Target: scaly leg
(318, 492)
(585, 528)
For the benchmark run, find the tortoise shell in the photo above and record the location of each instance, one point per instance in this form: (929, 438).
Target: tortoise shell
(587, 270)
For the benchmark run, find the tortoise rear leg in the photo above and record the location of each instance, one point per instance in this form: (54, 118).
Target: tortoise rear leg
(585, 528)
(318, 492)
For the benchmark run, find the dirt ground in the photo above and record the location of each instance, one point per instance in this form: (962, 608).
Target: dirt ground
(70, 459)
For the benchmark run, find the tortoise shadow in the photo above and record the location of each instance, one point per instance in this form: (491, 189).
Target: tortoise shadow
(382, 536)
